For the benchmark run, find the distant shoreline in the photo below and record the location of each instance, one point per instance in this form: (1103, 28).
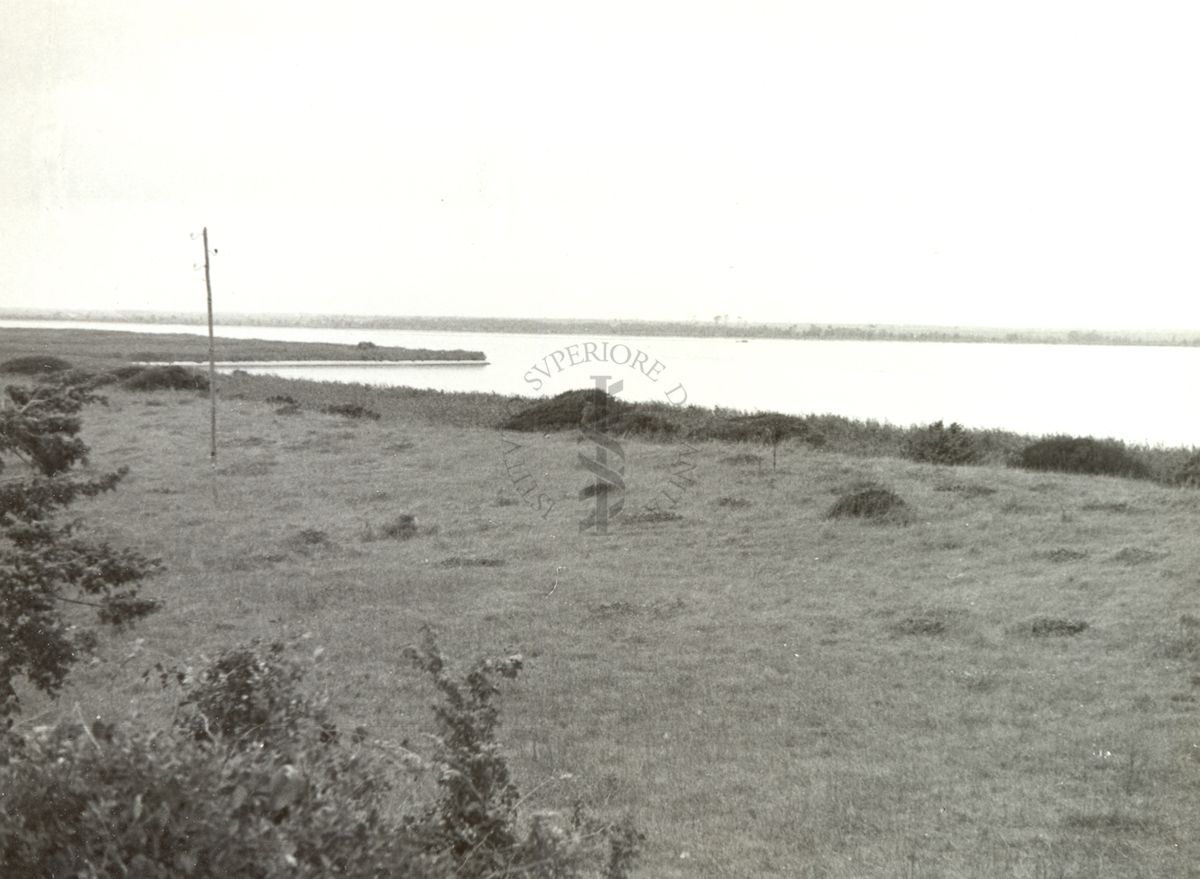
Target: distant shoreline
(718, 328)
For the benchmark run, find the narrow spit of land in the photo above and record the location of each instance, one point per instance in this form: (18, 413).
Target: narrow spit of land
(88, 347)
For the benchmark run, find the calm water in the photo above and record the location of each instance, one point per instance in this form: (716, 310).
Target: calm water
(1134, 393)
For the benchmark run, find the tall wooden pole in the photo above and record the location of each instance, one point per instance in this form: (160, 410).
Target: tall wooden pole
(212, 369)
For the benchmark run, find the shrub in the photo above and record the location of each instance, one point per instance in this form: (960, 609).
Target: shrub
(166, 378)
(868, 503)
(641, 423)
(275, 792)
(351, 410)
(34, 364)
(248, 697)
(930, 621)
(769, 428)
(565, 411)
(1070, 454)
(43, 559)
(938, 444)
(1188, 474)
(402, 527)
(741, 459)
(733, 503)
(1044, 627)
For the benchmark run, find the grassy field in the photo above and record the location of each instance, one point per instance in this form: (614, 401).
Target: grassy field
(771, 693)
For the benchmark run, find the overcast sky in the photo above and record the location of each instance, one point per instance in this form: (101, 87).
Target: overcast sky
(1011, 164)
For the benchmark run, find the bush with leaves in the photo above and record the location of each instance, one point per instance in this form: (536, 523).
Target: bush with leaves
(1073, 454)
(276, 791)
(938, 444)
(46, 562)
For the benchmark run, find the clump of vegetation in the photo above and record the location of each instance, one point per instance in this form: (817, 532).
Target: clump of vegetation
(741, 459)
(310, 540)
(967, 489)
(1043, 627)
(733, 503)
(1073, 454)
(254, 779)
(401, 527)
(35, 365)
(931, 621)
(937, 444)
(571, 409)
(876, 503)
(351, 410)
(1063, 554)
(166, 378)
(281, 400)
(1108, 507)
(44, 559)
(768, 428)
(1133, 555)
(1188, 474)
(463, 562)
(565, 411)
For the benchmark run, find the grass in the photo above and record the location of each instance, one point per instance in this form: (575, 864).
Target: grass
(772, 693)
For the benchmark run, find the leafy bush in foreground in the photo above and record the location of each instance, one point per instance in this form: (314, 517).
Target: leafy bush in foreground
(43, 559)
(938, 444)
(34, 364)
(302, 801)
(1072, 454)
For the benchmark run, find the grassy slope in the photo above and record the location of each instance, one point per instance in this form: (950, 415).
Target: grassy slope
(103, 347)
(740, 678)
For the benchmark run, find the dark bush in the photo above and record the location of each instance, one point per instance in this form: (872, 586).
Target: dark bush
(930, 621)
(641, 423)
(938, 444)
(34, 364)
(565, 411)
(1188, 475)
(868, 503)
(402, 527)
(166, 378)
(769, 428)
(249, 696)
(1072, 454)
(282, 400)
(967, 489)
(733, 503)
(742, 459)
(351, 410)
(1045, 627)
(462, 562)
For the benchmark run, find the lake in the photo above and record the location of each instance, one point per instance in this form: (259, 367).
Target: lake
(1138, 394)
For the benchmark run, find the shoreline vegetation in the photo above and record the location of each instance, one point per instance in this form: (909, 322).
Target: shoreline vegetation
(721, 326)
(85, 346)
(116, 356)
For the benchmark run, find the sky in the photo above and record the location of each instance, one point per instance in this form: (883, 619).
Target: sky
(1017, 164)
